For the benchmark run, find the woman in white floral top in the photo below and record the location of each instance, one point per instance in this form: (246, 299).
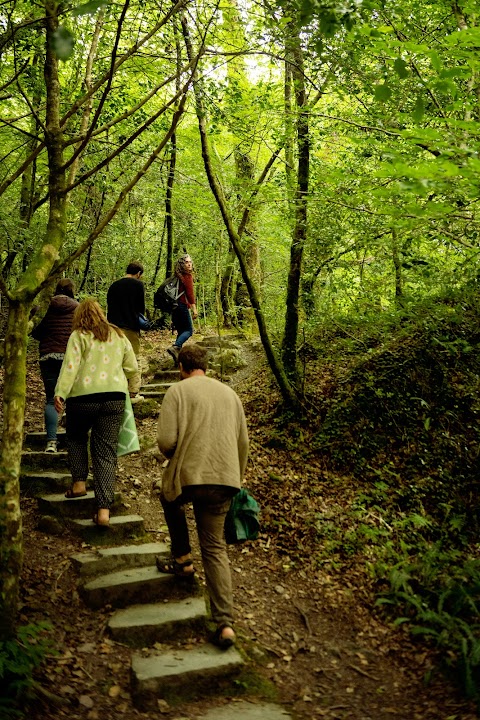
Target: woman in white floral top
(99, 362)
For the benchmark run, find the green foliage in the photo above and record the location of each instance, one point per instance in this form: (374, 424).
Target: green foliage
(401, 417)
(19, 658)
(439, 600)
(406, 409)
(63, 42)
(331, 15)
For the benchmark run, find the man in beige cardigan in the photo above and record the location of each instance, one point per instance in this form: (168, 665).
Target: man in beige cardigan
(203, 432)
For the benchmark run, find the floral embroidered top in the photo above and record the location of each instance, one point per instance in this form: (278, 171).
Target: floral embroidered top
(91, 366)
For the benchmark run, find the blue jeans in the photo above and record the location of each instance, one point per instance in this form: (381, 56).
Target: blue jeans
(182, 321)
(50, 370)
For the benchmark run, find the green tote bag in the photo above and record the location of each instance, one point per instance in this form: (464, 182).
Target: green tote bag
(127, 437)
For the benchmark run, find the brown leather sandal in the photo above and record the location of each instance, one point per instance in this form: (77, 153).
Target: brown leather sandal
(172, 567)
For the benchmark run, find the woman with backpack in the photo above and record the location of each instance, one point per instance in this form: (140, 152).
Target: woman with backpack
(186, 307)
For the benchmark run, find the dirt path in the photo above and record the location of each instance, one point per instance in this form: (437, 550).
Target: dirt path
(310, 638)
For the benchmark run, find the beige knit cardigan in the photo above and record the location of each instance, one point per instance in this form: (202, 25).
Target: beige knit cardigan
(203, 431)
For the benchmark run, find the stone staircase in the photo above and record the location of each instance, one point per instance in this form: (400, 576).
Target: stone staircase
(118, 571)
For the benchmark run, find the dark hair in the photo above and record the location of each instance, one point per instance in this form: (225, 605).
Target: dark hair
(65, 286)
(134, 267)
(193, 357)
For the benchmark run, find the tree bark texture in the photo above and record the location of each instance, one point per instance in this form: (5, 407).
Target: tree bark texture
(11, 546)
(288, 393)
(16, 344)
(168, 204)
(289, 347)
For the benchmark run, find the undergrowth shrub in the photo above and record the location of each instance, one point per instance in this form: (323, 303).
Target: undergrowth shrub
(399, 415)
(439, 599)
(19, 658)
(407, 411)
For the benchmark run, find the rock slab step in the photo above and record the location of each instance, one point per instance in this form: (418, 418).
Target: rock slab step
(134, 585)
(142, 625)
(38, 439)
(102, 561)
(40, 482)
(121, 527)
(38, 459)
(60, 506)
(192, 672)
(245, 710)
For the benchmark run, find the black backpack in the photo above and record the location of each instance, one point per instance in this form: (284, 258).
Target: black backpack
(166, 296)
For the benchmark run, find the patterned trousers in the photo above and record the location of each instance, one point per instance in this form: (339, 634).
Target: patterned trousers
(103, 419)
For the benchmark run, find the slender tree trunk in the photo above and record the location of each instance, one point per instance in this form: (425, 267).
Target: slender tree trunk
(289, 135)
(289, 346)
(27, 192)
(226, 290)
(245, 177)
(168, 204)
(397, 264)
(288, 393)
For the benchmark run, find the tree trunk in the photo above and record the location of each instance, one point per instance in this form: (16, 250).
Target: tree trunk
(245, 178)
(288, 393)
(11, 546)
(168, 204)
(16, 345)
(397, 264)
(226, 291)
(289, 346)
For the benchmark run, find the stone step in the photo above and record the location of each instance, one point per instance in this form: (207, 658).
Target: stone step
(166, 376)
(160, 386)
(142, 625)
(108, 560)
(183, 673)
(135, 585)
(121, 528)
(41, 460)
(153, 394)
(246, 710)
(40, 482)
(60, 506)
(38, 439)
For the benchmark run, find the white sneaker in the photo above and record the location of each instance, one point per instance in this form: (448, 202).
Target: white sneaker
(51, 446)
(137, 399)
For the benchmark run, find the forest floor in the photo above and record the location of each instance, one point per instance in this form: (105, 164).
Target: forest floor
(310, 634)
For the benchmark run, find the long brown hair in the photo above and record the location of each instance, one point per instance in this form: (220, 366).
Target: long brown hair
(90, 318)
(180, 268)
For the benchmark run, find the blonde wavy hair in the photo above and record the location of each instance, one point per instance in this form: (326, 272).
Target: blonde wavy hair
(90, 318)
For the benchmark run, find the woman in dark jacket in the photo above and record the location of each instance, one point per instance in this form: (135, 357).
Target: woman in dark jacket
(181, 317)
(52, 333)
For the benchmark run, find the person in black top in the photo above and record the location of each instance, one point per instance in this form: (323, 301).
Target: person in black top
(126, 301)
